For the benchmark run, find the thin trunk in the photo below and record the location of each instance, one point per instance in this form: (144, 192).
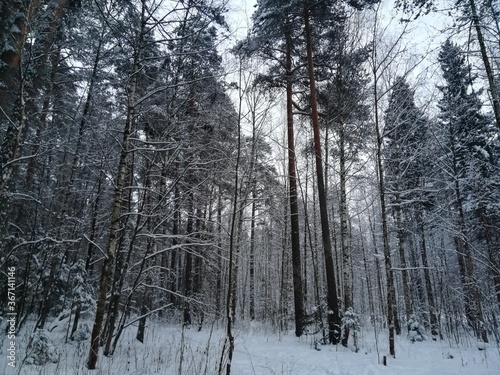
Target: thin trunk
(369, 288)
(121, 264)
(218, 282)
(402, 257)
(145, 308)
(198, 265)
(252, 257)
(117, 202)
(344, 231)
(188, 265)
(427, 276)
(93, 223)
(493, 256)
(229, 341)
(174, 270)
(31, 167)
(333, 304)
(472, 301)
(308, 238)
(298, 294)
(391, 292)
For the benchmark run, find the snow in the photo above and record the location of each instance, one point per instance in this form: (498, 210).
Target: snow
(258, 351)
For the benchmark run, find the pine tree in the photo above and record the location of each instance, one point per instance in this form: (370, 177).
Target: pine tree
(274, 23)
(342, 100)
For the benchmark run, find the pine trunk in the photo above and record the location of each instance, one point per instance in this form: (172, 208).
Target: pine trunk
(391, 291)
(333, 304)
(298, 294)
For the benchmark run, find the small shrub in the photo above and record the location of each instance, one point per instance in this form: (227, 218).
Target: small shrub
(41, 349)
(415, 330)
(82, 333)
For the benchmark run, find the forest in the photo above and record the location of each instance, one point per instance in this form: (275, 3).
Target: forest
(323, 171)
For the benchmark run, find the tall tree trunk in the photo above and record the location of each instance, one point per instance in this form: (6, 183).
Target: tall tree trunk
(252, 257)
(333, 303)
(218, 282)
(231, 287)
(391, 291)
(344, 231)
(298, 294)
(117, 200)
(427, 276)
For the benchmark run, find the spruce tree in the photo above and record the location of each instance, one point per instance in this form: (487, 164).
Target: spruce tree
(406, 155)
(466, 131)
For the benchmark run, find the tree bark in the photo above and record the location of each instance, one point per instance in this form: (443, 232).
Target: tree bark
(402, 257)
(333, 304)
(252, 258)
(473, 307)
(117, 201)
(391, 292)
(344, 231)
(427, 276)
(298, 294)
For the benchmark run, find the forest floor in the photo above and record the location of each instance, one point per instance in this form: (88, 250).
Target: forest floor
(258, 351)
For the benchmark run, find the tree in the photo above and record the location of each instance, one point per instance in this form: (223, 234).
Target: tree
(466, 132)
(343, 103)
(406, 136)
(112, 246)
(275, 21)
(472, 15)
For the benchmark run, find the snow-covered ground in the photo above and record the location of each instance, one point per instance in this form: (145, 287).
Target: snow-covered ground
(258, 351)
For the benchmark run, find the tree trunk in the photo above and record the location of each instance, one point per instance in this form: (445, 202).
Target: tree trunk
(472, 301)
(344, 231)
(493, 255)
(117, 203)
(231, 287)
(145, 308)
(11, 54)
(252, 258)
(188, 265)
(427, 276)
(218, 282)
(402, 257)
(333, 304)
(174, 270)
(391, 292)
(298, 294)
